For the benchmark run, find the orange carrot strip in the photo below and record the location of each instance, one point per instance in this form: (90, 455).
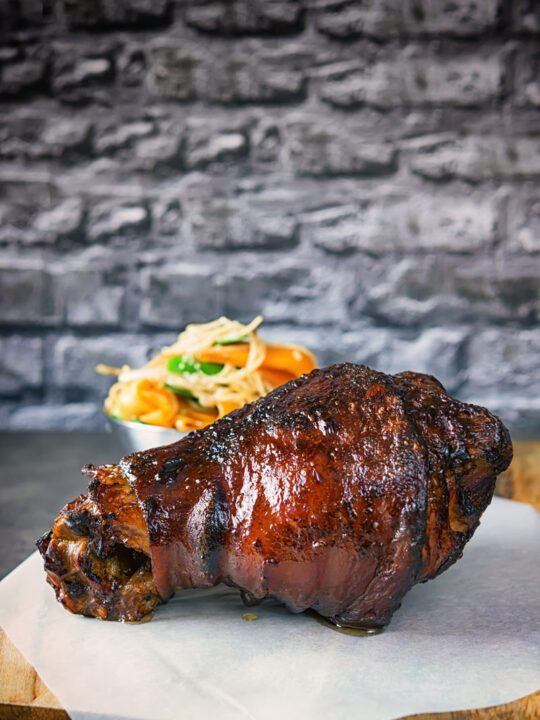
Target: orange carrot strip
(236, 354)
(275, 377)
(225, 407)
(291, 358)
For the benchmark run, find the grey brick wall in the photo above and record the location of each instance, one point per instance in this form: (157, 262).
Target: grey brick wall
(363, 173)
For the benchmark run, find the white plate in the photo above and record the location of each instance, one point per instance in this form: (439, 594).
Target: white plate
(468, 639)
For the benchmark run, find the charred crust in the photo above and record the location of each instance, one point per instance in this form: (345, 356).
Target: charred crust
(497, 459)
(99, 547)
(249, 599)
(74, 588)
(454, 555)
(93, 485)
(153, 531)
(78, 522)
(349, 509)
(150, 506)
(169, 470)
(214, 530)
(90, 470)
(87, 569)
(465, 501)
(42, 543)
(460, 456)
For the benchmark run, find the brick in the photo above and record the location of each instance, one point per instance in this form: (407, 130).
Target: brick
(21, 203)
(366, 345)
(23, 77)
(173, 72)
(65, 416)
(244, 17)
(436, 351)
(207, 145)
(167, 213)
(266, 141)
(286, 292)
(527, 78)
(108, 219)
(85, 71)
(236, 77)
(335, 228)
(74, 360)
(64, 221)
(257, 223)
(160, 156)
(382, 19)
(32, 136)
(321, 149)
(21, 364)
(434, 290)
(118, 135)
(526, 16)
(242, 78)
(416, 76)
(509, 291)
(7, 53)
(176, 294)
(33, 13)
(131, 62)
(25, 296)
(346, 20)
(274, 230)
(459, 18)
(503, 358)
(524, 223)
(88, 297)
(404, 223)
(410, 293)
(21, 15)
(107, 14)
(475, 158)
(66, 138)
(78, 75)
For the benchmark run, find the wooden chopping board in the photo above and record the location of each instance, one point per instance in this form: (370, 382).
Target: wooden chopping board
(24, 696)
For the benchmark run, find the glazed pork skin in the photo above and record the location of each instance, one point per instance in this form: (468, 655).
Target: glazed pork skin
(338, 492)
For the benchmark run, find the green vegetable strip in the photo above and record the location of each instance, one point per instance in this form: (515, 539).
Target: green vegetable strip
(181, 364)
(181, 391)
(231, 341)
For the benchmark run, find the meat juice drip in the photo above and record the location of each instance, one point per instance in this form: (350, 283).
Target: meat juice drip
(357, 632)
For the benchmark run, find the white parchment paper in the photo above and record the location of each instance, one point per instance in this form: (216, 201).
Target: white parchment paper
(467, 639)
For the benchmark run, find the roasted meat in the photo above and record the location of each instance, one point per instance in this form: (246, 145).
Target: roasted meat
(337, 492)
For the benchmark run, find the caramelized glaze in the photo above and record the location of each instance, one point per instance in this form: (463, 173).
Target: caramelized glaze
(338, 492)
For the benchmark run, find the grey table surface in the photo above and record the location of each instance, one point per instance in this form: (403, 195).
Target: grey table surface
(39, 473)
